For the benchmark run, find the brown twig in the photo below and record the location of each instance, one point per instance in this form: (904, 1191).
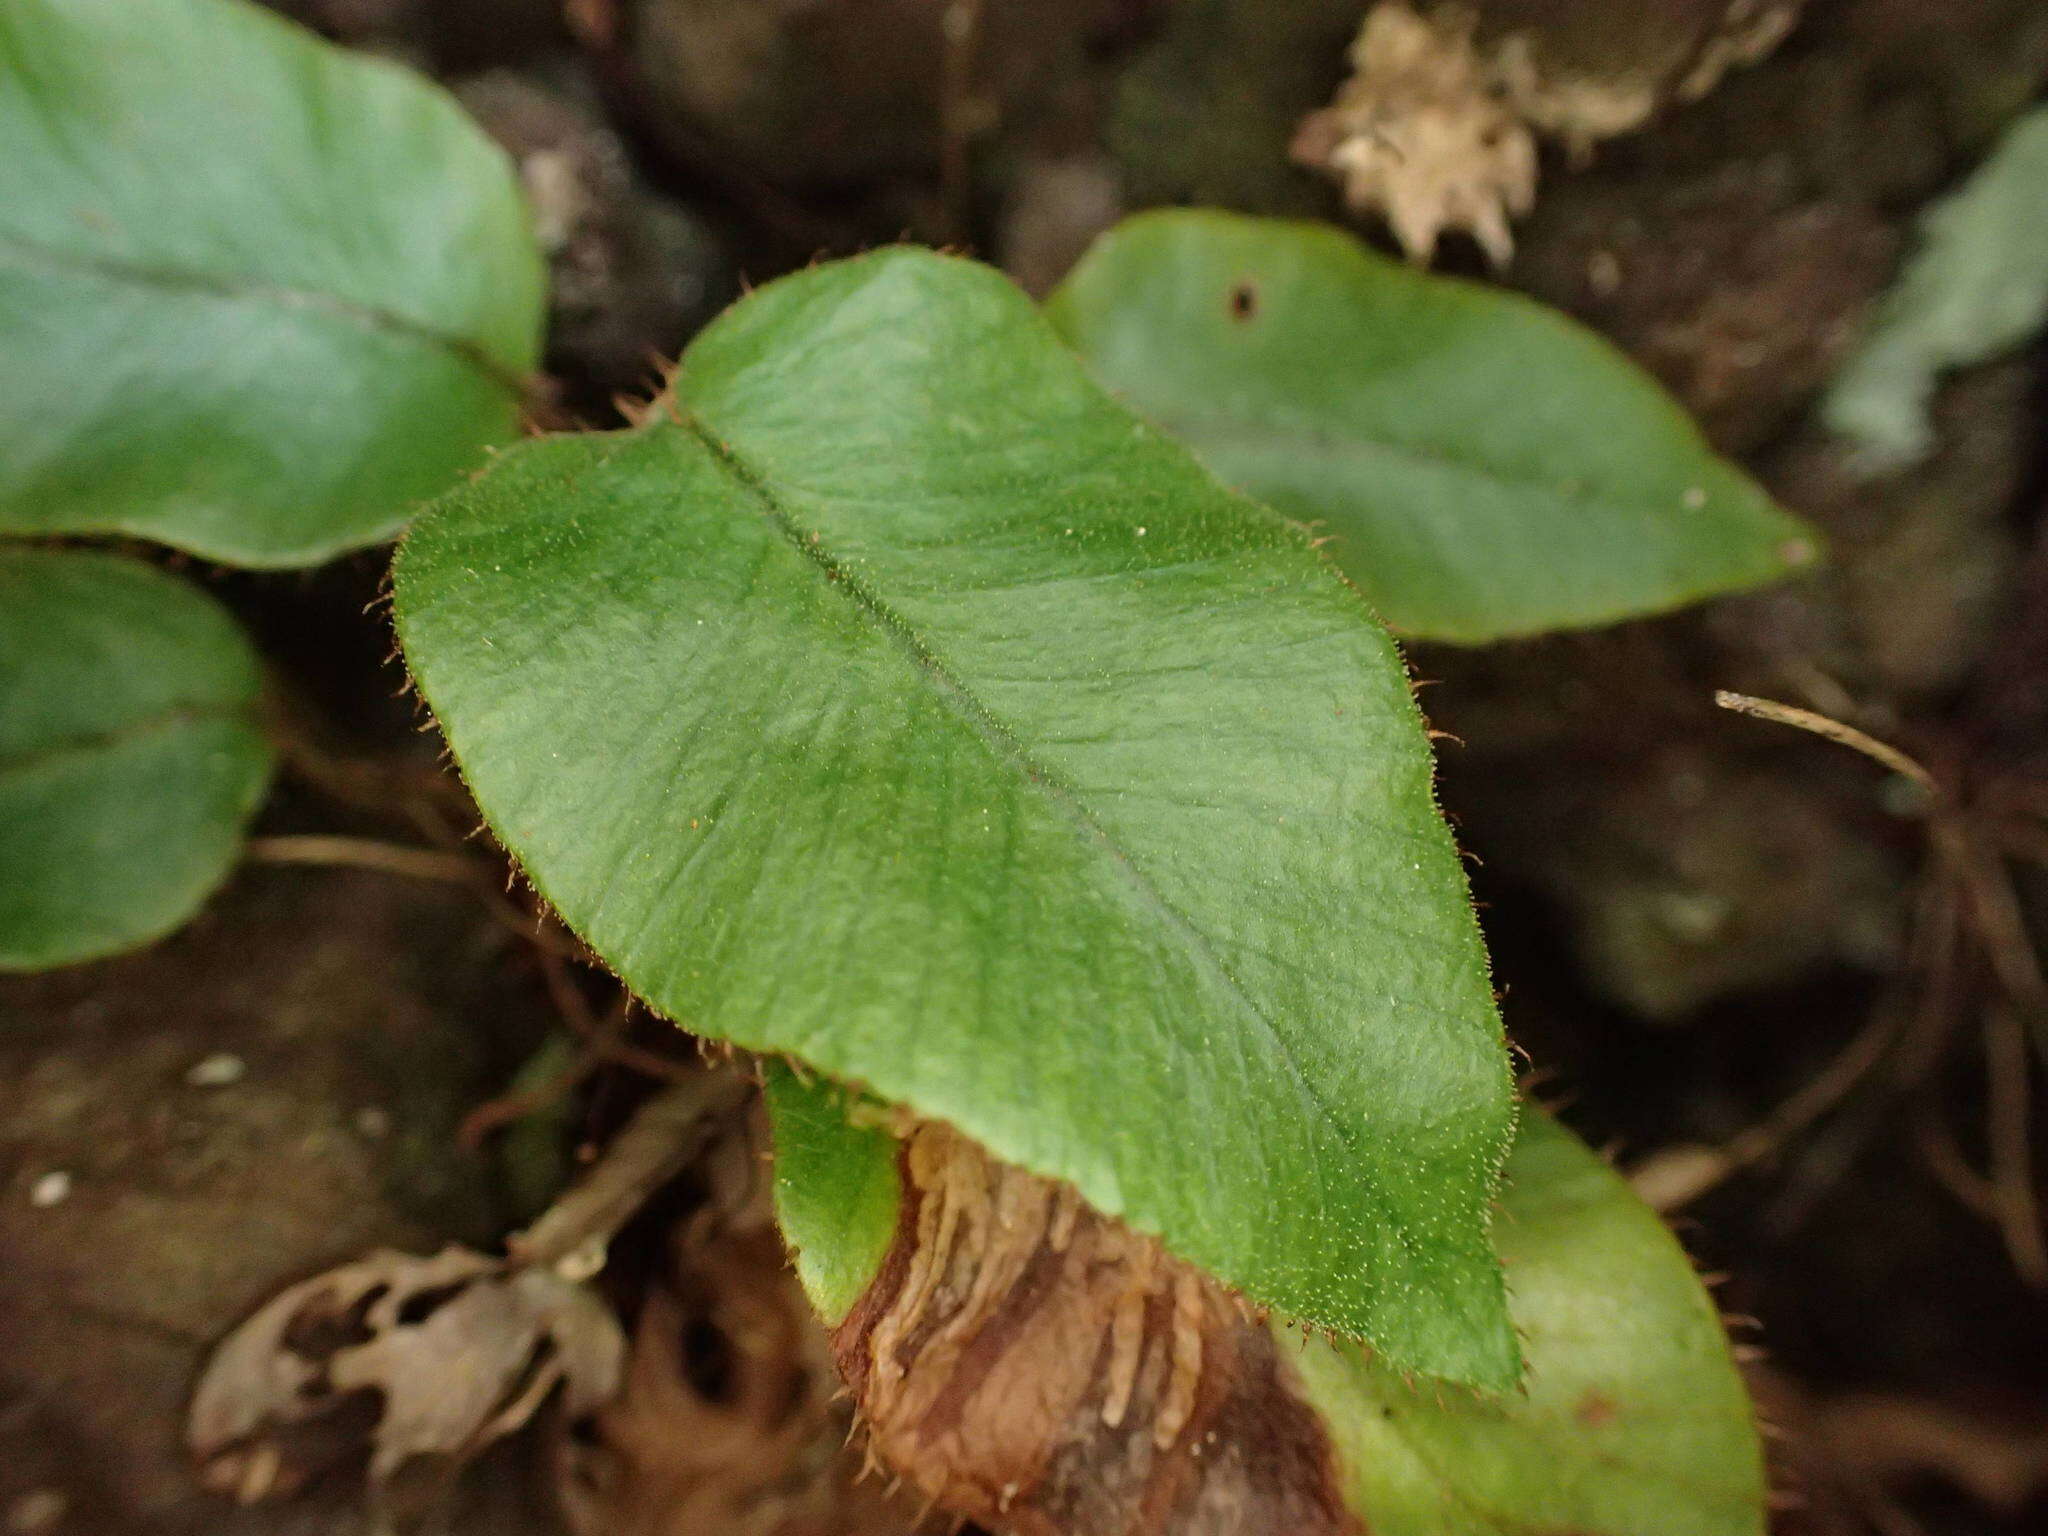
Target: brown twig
(1833, 730)
(604, 1041)
(2003, 927)
(1969, 905)
(495, 1114)
(1951, 1170)
(415, 792)
(570, 1001)
(364, 853)
(2010, 1134)
(656, 1144)
(436, 806)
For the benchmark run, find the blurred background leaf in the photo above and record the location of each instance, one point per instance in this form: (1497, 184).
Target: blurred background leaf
(1482, 466)
(131, 753)
(258, 296)
(1977, 287)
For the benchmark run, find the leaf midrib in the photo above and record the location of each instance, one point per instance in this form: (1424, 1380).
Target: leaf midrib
(86, 743)
(232, 289)
(1004, 743)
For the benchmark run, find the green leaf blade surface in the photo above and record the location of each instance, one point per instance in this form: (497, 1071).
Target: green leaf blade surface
(905, 706)
(1483, 467)
(1633, 1420)
(131, 753)
(259, 297)
(837, 1189)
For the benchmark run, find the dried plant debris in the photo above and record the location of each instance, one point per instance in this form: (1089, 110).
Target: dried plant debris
(665, 1135)
(1419, 134)
(417, 1363)
(731, 1419)
(1436, 128)
(404, 1357)
(1045, 1371)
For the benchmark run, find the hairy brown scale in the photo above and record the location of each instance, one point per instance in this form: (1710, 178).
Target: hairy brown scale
(1041, 1369)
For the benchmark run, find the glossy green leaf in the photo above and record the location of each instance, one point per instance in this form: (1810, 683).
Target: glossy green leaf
(1976, 287)
(258, 296)
(898, 702)
(1633, 1421)
(1482, 466)
(837, 1190)
(131, 754)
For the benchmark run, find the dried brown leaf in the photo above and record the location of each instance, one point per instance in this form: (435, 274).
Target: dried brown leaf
(399, 1356)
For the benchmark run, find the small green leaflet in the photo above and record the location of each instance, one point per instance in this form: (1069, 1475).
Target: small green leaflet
(836, 1188)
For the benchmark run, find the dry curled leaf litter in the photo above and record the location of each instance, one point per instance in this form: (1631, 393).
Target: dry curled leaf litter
(730, 1419)
(410, 1357)
(404, 1356)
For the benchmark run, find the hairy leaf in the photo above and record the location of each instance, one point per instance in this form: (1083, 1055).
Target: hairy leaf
(1632, 1422)
(258, 296)
(1977, 286)
(1482, 466)
(130, 753)
(900, 703)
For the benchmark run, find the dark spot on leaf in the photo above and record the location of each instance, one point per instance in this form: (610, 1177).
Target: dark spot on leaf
(1244, 301)
(1596, 1410)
